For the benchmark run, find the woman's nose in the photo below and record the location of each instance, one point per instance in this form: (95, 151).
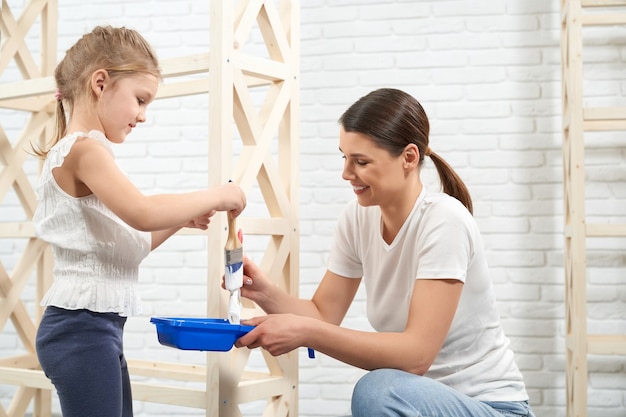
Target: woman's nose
(347, 173)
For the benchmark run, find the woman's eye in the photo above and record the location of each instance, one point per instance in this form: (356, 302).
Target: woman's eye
(361, 163)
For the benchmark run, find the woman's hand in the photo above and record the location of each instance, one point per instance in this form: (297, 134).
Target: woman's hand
(256, 285)
(276, 333)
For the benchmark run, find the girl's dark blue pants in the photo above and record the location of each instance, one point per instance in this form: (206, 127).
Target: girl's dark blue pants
(82, 354)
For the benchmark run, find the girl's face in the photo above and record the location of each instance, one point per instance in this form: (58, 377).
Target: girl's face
(123, 103)
(377, 177)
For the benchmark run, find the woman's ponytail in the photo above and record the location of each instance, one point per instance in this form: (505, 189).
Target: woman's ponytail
(451, 183)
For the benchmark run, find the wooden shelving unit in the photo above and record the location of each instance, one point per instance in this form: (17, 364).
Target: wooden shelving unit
(577, 120)
(268, 159)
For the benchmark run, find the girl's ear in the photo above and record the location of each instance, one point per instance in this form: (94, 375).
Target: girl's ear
(98, 81)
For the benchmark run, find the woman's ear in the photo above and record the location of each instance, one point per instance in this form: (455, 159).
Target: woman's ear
(99, 79)
(411, 155)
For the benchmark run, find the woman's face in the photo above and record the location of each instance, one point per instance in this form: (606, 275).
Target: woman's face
(376, 176)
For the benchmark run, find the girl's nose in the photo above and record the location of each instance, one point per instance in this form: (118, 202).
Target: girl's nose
(141, 117)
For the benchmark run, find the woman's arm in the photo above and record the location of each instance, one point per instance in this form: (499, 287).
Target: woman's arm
(330, 302)
(433, 305)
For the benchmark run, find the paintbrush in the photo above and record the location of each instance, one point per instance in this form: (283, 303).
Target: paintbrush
(233, 273)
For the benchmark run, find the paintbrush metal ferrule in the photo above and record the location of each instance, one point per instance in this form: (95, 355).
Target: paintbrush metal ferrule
(233, 256)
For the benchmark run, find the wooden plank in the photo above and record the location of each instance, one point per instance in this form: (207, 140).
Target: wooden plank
(574, 176)
(185, 65)
(32, 104)
(261, 68)
(604, 113)
(606, 230)
(244, 18)
(165, 370)
(21, 400)
(24, 377)
(16, 31)
(220, 160)
(604, 19)
(272, 386)
(603, 3)
(251, 226)
(26, 361)
(169, 394)
(604, 125)
(15, 230)
(186, 88)
(607, 344)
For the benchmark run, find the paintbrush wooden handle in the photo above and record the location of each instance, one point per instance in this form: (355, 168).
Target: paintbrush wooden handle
(232, 242)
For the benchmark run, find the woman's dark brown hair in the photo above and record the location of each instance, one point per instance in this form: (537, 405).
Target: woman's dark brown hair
(393, 119)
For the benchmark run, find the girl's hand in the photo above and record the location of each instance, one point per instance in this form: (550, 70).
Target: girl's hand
(201, 222)
(231, 198)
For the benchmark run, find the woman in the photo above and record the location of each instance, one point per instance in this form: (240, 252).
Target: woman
(438, 349)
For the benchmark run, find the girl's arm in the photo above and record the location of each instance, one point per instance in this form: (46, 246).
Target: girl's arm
(433, 305)
(93, 166)
(201, 222)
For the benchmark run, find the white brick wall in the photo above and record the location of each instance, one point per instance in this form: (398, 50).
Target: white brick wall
(488, 75)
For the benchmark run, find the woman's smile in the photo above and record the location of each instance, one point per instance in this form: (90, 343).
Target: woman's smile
(359, 189)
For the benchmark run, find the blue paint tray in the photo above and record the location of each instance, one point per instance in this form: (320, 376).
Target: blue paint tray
(198, 333)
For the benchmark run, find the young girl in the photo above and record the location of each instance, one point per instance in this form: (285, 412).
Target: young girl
(99, 225)
(439, 349)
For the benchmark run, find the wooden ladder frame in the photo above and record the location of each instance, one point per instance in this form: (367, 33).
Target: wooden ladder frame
(229, 75)
(576, 121)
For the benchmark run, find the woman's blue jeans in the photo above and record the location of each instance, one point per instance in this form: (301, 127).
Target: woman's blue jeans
(394, 393)
(81, 352)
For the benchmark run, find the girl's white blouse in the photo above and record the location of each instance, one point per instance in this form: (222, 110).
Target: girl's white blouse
(96, 254)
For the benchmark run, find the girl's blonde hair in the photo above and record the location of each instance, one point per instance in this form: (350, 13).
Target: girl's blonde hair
(119, 51)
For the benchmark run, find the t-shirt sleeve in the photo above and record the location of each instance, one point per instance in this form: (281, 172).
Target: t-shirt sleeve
(444, 247)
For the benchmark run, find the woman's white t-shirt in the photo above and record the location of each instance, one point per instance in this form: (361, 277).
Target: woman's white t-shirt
(439, 240)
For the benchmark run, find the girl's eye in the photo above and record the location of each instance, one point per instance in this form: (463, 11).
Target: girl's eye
(140, 100)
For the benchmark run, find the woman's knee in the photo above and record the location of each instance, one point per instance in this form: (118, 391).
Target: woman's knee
(373, 382)
(380, 392)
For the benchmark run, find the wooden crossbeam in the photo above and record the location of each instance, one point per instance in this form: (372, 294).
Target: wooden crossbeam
(15, 48)
(602, 3)
(603, 19)
(13, 158)
(10, 290)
